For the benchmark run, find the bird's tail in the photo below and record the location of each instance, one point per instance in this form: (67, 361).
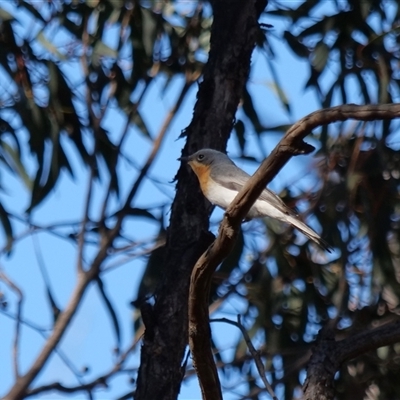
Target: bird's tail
(306, 230)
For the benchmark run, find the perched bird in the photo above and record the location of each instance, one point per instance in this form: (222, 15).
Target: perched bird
(221, 180)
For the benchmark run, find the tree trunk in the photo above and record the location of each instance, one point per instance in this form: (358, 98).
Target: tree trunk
(233, 37)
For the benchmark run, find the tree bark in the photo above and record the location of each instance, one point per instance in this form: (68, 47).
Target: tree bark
(329, 355)
(233, 37)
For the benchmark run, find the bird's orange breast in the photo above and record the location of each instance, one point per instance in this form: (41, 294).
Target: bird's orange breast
(203, 174)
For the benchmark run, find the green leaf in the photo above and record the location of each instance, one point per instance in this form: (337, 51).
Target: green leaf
(102, 50)
(249, 110)
(297, 47)
(149, 30)
(62, 106)
(109, 153)
(30, 8)
(320, 56)
(110, 308)
(279, 128)
(5, 15)
(138, 121)
(239, 129)
(19, 168)
(140, 212)
(7, 227)
(364, 89)
(277, 87)
(40, 190)
(92, 3)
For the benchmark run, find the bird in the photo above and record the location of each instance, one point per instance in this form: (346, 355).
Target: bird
(221, 180)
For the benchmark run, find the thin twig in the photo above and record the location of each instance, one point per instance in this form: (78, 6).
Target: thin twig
(19, 294)
(255, 354)
(134, 256)
(41, 263)
(100, 381)
(81, 235)
(43, 332)
(36, 228)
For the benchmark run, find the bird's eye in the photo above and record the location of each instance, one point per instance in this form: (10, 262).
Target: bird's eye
(200, 157)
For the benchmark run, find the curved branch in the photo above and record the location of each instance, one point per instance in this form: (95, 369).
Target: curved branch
(291, 144)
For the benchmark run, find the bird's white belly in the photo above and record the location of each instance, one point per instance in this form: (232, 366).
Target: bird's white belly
(223, 197)
(219, 195)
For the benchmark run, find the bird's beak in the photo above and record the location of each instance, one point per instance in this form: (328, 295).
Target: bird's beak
(183, 159)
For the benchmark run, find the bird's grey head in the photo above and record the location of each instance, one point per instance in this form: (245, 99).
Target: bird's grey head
(206, 157)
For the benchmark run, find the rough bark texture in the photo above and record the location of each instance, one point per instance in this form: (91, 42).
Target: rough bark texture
(328, 356)
(233, 39)
(321, 368)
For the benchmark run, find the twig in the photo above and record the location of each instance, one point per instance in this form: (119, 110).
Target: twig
(36, 246)
(36, 228)
(26, 322)
(19, 388)
(19, 294)
(42, 332)
(81, 235)
(99, 381)
(133, 256)
(255, 354)
(291, 144)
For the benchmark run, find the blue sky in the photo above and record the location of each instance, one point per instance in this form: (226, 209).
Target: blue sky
(89, 342)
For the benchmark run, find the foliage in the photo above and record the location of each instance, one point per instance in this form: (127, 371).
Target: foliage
(52, 121)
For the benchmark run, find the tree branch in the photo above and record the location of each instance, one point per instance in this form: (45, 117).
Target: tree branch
(254, 353)
(328, 356)
(291, 144)
(18, 390)
(100, 381)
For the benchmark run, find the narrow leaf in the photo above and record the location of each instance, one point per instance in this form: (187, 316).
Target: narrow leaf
(111, 310)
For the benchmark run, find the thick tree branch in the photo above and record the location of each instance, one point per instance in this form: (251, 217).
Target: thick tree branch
(356, 345)
(290, 145)
(328, 356)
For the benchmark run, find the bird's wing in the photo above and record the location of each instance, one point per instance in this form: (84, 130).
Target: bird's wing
(235, 179)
